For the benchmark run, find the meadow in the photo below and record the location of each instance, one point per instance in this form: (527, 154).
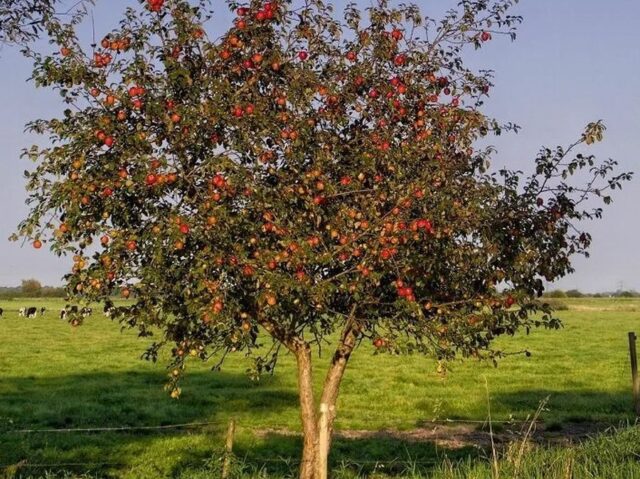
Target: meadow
(53, 376)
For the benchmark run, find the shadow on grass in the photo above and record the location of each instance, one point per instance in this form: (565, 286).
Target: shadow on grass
(595, 406)
(136, 399)
(130, 399)
(564, 406)
(392, 456)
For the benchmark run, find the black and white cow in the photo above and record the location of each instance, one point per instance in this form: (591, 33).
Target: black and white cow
(108, 310)
(42, 311)
(85, 312)
(28, 312)
(66, 311)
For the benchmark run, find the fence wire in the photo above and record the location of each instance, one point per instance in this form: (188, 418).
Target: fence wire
(115, 428)
(256, 460)
(202, 424)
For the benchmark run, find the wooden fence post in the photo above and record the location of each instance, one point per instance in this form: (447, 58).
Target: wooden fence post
(323, 445)
(228, 449)
(634, 372)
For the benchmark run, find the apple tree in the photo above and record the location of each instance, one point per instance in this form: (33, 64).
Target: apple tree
(307, 178)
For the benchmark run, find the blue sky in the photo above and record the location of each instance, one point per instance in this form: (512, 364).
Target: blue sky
(574, 61)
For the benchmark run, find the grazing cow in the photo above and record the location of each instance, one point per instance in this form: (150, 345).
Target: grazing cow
(42, 311)
(67, 310)
(86, 312)
(1, 312)
(108, 310)
(21, 312)
(30, 312)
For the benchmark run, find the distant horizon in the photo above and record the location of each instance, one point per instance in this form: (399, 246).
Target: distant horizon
(549, 290)
(569, 66)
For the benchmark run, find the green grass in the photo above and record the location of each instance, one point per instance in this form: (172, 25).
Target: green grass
(54, 376)
(608, 456)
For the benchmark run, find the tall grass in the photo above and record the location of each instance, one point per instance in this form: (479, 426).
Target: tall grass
(612, 455)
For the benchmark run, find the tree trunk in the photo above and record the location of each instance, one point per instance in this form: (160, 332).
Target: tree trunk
(316, 425)
(330, 396)
(307, 412)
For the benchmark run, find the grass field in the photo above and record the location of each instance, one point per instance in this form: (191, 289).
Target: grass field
(53, 376)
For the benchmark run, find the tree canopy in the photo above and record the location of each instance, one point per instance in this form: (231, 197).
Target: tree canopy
(22, 21)
(308, 177)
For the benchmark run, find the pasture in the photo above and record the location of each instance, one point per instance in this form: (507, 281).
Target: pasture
(53, 376)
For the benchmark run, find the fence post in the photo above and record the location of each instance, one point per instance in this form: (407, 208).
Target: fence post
(323, 446)
(634, 372)
(228, 449)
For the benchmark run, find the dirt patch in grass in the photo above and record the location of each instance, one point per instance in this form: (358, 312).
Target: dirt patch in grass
(447, 436)
(458, 436)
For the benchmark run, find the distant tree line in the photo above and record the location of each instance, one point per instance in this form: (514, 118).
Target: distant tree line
(576, 293)
(31, 288)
